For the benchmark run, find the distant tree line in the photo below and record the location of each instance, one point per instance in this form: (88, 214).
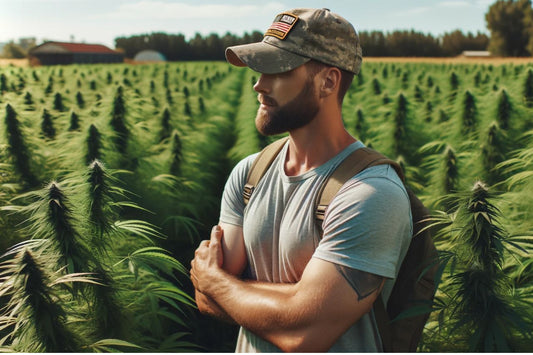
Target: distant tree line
(176, 48)
(417, 44)
(375, 44)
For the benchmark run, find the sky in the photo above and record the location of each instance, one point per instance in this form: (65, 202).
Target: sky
(101, 21)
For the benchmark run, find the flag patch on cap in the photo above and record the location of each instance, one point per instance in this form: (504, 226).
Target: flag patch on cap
(281, 26)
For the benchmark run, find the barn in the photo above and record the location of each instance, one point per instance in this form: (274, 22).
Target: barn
(53, 53)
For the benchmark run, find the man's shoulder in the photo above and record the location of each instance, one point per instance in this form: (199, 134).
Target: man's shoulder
(244, 165)
(378, 179)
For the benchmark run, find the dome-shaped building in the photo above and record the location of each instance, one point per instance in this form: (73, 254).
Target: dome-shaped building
(149, 55)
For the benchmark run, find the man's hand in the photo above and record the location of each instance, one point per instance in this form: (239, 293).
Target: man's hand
(309, 315)
(207, 262)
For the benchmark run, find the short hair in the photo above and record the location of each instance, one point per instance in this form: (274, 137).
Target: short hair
(314, 67)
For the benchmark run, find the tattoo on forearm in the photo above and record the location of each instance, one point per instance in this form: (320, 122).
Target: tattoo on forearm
(363, 283)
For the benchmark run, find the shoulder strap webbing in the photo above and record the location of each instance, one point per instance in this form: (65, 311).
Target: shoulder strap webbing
(356, 162)
(260, 165)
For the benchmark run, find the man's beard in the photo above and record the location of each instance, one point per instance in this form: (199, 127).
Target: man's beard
(293, 115)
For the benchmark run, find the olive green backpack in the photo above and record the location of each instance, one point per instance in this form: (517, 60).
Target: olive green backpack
(402, 321)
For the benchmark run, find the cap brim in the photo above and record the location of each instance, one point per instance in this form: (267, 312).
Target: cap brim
(264, 58)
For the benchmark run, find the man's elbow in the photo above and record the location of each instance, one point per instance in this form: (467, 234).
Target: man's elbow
(317, 337)
(304, 343)
(204, 309)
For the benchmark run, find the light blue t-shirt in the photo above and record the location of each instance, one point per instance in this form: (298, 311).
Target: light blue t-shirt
(367, 227)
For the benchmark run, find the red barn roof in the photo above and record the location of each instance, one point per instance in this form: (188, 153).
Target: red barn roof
(73, 48)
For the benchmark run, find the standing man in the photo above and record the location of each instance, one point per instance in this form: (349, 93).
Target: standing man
(304, 290)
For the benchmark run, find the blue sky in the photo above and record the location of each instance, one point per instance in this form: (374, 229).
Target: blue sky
(100, 21)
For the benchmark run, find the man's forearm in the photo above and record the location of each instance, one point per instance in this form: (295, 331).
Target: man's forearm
(208, 306)
(309, 315)
(266, 309)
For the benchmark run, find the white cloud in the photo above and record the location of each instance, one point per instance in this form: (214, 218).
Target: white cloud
(411, 12)
(454, 3)
(484, 3)
(43, 2)
(160, 10)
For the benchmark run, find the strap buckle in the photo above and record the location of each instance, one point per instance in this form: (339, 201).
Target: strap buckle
(320, 212)
(247, 192)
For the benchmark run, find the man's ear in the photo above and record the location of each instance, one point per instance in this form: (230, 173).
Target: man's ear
(331, 78)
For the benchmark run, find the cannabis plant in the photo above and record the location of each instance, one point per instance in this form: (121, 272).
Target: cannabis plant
(18, 148)
(33, 317)
(485, 314)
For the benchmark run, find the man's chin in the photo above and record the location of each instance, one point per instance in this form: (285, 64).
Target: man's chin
(266, 131)
(263, 123)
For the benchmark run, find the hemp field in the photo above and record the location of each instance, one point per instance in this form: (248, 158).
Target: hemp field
(117, 171)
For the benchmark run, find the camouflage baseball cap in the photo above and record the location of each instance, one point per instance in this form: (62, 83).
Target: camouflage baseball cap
(297, 36)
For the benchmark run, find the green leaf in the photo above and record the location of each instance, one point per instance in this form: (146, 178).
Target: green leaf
(108, 345)
(157, 257)
(139, 228)
(413, 312)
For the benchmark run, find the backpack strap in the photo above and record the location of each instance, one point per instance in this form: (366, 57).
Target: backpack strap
(356, 162)
(260, 165)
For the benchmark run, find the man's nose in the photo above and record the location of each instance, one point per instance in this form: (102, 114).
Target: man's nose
(262, 84)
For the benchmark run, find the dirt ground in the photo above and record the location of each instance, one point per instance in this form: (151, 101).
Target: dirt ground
(16, 62)
(454, 60)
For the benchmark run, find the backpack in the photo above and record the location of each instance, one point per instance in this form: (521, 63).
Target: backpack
(401, 322)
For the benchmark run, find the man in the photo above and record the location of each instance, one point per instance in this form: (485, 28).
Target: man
(304, 291)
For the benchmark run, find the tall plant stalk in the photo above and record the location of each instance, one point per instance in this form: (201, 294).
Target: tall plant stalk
(3, 83)
(94, 145)
(118, 121)
(482, 308)
(80, 101)
(101, 216)
(493, 152)
(527, 90)
(17, 147)
(360, 125)
(28, 98)
(176, 154)
(74, 122)
(51, 218)
(166, 128)
(469, 113)
(34, 311)
(503, 113)
(47, 125)
(400, 121)
(451, 172)
(58, 102)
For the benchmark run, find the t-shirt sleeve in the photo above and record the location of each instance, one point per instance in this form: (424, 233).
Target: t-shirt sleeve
(368, 224)
(232, 204)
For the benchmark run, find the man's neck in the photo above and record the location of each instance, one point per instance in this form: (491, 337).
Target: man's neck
(315, 144)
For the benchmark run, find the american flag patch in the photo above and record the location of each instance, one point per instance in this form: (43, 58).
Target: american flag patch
(281, 26)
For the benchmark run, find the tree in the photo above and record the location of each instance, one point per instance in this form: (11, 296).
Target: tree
(509, 22)
(14, 51)
(412, 43)
(456, 42)
(374, 43)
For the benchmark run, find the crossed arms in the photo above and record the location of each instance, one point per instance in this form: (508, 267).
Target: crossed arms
(309, 315)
